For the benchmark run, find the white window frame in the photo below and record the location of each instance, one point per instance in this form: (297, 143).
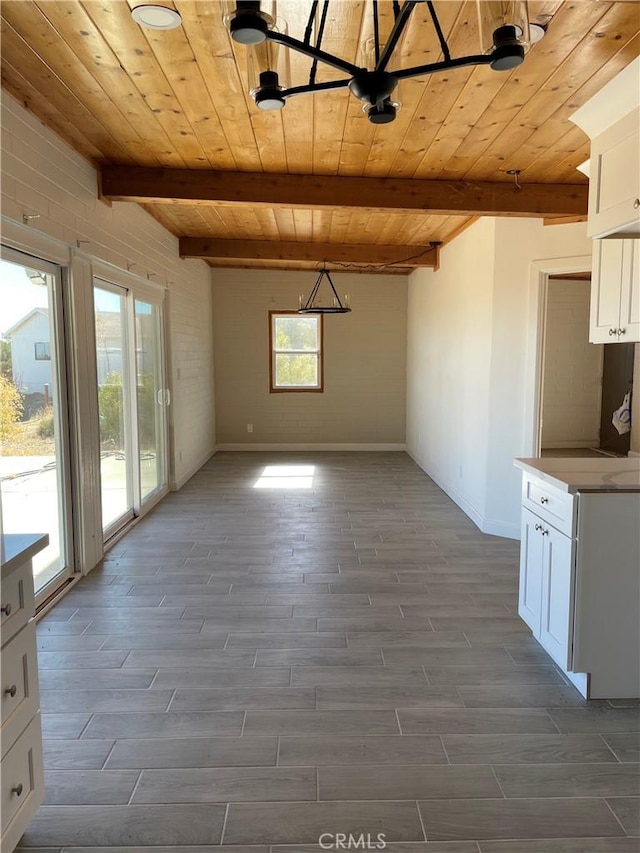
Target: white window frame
(273, 352)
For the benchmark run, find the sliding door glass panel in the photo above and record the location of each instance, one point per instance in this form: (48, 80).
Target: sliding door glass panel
(34, 457)
(150, 400)
(113, 406)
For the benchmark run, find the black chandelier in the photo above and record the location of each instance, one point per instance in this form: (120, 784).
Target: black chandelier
(505, 37)
(313, 305)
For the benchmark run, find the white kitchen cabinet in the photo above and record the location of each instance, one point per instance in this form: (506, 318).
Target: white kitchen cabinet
(531, 557)
(556, 611)
(614, 183)
(22, 775)
(580, 569)
(615, 292)
(611, 120)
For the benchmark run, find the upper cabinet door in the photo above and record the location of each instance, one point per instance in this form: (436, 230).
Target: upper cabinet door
(606, 290)
(614, 188)
(629, 328)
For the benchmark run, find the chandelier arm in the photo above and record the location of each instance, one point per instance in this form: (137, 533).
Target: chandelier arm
(329, 86)
(376, 31)
(313, 52)
(309, 27)
(334, 290)
(314, 292)
(436, 23)
(323, 21)
(445, 65)
(401, 22)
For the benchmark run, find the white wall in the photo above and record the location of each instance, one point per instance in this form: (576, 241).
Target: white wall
(448, 363)
(473, 318)
(363, 402)
(42, 175)
(572, 386)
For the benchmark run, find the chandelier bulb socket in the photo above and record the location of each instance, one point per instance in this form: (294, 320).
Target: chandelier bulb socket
(507, 56)
(268, 96)
(248, 24)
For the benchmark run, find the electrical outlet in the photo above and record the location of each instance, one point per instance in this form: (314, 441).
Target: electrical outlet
(249, 427)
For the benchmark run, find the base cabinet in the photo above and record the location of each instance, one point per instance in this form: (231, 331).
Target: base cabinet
(22, 774)
(557, 594)
(546, 585)
(580, 586)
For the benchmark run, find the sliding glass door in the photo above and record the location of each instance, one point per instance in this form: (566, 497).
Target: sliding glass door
(131, 400)
(35, 482)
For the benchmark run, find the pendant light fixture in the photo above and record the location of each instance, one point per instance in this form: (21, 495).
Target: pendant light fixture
(504, 39)
(314, 305)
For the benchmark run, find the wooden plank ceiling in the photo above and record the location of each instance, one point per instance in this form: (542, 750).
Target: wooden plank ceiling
(178, 100)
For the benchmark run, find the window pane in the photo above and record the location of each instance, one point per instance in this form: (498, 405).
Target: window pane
(149, 386)
(31, 447)
(296, 333)
(112, 404)
(296, 370)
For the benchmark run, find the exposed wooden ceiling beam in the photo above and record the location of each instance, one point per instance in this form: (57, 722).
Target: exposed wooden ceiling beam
(447, 198)
(338, 253)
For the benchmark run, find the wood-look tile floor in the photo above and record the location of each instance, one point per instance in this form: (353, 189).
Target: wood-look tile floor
(254, 667)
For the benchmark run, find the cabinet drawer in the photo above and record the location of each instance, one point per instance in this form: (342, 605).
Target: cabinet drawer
(22, 775)
(549, 503)
(19, 684)
(17, 601)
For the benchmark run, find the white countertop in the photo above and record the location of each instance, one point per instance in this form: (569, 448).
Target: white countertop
(576, 474)
(17, 548)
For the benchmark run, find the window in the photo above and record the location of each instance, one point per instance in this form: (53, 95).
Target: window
(43, 351)
(296, 351)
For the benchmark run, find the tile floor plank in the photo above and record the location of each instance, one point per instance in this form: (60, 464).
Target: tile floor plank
(278, 823)
(526, 749)
(197, 752)
(406, 782)
(223, 785)
(361, 749)
(126, 826)
(453, 820)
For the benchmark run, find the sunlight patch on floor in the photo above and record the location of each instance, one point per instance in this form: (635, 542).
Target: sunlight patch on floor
(286, 477)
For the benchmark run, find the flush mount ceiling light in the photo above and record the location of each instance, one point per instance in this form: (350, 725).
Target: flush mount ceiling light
(335, 306)
(156, 17)
(505, 37)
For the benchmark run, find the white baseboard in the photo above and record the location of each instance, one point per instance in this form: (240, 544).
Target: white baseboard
(500, 528)
(485, 525)
(320, 447)
(176, 485)
(634, 453)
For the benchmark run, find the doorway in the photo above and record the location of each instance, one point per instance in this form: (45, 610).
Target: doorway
(582, 383)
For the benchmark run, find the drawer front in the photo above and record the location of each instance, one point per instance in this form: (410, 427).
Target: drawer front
(22, 775)
(17, 601)
(19, 684)
(550, 504)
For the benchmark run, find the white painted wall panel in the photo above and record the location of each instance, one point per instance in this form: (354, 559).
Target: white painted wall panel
(43, 175)
(572, 387)
(364, 366)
